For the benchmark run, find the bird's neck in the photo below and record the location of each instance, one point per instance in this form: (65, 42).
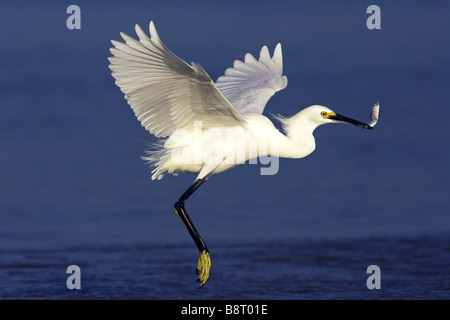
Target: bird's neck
(300, 140)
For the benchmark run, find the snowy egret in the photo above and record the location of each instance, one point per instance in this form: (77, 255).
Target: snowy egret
(194, 118)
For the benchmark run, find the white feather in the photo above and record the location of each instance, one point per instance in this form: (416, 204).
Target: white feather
(249, 85)
(164, 92)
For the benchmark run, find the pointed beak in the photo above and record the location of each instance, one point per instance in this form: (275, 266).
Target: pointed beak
(339, 118)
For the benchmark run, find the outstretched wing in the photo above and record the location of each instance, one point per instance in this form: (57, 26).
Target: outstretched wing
(164, 92)
(250, 84)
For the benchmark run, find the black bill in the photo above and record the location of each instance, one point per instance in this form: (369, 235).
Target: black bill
(357, 123)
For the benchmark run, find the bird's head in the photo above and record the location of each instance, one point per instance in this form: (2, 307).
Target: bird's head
(319, 115)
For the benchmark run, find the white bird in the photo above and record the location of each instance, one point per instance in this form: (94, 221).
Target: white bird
(205, 127)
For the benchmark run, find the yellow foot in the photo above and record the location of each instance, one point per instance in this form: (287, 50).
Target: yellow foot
(203, 266)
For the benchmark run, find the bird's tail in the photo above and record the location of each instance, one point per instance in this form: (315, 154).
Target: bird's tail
(157, 156)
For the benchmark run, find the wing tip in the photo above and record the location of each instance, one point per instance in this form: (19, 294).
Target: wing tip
(264, 54)
(277, 58)
(114, 42)
(153, 32)
(138, 29)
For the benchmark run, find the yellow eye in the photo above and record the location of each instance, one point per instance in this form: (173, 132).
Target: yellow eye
(323, 113)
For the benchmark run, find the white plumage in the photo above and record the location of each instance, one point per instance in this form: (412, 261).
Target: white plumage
(168, 97)
(250, 84)
(164, 92)
(208, 128)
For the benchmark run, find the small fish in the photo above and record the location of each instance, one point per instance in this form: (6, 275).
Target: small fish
(374, 114)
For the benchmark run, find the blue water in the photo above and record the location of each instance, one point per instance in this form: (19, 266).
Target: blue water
(326, 269)
(74, 191)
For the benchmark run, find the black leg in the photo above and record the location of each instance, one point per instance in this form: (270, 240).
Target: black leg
(204, 262)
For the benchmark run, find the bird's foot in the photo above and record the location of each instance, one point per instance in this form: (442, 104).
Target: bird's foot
(203, 266)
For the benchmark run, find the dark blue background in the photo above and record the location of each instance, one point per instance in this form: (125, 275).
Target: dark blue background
(71, 176)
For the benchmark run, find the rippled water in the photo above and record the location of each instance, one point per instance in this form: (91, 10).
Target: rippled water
(410, 268)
